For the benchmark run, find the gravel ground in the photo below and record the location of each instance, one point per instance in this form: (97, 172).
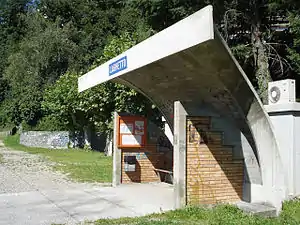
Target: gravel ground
(22, 172)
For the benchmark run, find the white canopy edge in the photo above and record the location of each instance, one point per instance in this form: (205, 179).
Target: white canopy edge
(184, 34)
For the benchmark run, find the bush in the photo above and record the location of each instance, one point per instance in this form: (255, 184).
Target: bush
(50, 123)
(47, 123)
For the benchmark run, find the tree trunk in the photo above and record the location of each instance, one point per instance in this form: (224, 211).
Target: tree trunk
(80, 133)
(109, 145)
(87, 131)
(262, 72)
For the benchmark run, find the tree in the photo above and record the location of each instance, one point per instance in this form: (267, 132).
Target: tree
(94, 22)
(248, 27)
(294, 51)
(78, 111)
(42, 40)
(93, 108)
(163, 13)
(294, 47)
(44, 54)
(58, 38)
(258, 33)
(12, 30)
(126, 99)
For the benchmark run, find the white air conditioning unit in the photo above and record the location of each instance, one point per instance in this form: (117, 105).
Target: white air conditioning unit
(283, 91)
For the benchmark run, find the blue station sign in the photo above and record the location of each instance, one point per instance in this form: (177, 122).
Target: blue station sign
(117, 66)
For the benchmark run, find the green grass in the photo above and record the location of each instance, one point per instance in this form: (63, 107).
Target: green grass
(223, 214)
(85, 166)
(2, 135)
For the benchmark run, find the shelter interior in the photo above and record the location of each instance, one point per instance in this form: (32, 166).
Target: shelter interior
(215, 159)
(153, 162)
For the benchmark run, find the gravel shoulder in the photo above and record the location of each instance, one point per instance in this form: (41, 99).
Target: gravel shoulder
(21, 172)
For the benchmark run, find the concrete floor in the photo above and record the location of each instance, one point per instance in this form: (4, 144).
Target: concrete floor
(73, 206)
(31, 193)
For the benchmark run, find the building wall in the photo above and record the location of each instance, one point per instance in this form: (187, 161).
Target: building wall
(213, 176)
(147, 160)
(157, 154)
(234, 137)
(286, 121)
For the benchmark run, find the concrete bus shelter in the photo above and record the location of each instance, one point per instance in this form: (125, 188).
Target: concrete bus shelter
(225, 149)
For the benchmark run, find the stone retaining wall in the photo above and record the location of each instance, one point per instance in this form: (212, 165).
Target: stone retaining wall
(45, 139)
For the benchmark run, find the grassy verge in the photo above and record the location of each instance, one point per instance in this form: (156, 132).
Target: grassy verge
(86, 166)
(3, 135)
(223, 214)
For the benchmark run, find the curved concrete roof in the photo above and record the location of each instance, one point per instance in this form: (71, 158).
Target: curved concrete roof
(191, 63)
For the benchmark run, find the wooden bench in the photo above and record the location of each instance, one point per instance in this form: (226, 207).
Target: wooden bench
(166, 172)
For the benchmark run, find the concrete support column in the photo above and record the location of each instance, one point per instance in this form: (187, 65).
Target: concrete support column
(117, 154)
(286, 121)
(179, 155)
(168, 131)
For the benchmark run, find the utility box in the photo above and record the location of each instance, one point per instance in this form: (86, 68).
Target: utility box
(130, 163)
(283, 91)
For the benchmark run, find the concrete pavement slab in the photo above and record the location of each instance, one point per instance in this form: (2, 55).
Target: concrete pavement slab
(31, 193)
(30, 208)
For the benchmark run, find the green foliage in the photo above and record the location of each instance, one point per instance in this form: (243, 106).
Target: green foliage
(294, 51)
(44, 54)
(12, 30)
(77, 110)
(42, 40)
(163, 13)
(56, 38)
(291, 212)
(126, 99)
(94, 22)
(117, 45)
(50, 123)
(94, 107)
(239, 27)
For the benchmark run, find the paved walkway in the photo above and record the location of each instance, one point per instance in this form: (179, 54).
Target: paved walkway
(31, 193)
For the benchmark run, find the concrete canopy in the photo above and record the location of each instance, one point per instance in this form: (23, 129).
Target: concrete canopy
(190, 62)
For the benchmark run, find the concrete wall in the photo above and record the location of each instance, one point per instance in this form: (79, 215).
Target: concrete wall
(62, 139)
(117, 155)
(286, 121)
(45, 139)
(168, 131)
(179, 164)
